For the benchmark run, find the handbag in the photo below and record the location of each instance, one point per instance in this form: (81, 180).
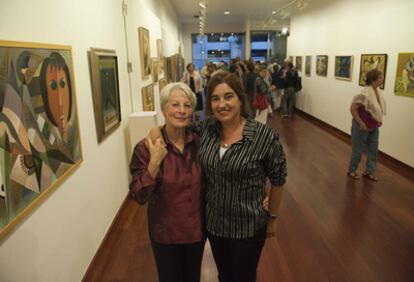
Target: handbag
(260, 102)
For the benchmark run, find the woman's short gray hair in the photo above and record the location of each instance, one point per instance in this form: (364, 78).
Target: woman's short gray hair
(177, 86)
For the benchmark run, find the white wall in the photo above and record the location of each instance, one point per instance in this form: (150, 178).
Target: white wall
(58, 240)
(354, 27)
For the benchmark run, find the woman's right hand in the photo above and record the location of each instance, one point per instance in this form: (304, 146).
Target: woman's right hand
(363, 127)
(157, 149)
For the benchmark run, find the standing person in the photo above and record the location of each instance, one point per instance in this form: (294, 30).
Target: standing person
(250, 86)
(193, 79)
(367, 109)
(263, 89)
(237, 155)
(168, 177)
(290, 78)
(279, 86)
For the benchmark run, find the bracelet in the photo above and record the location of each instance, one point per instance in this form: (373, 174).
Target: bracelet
(273, 216)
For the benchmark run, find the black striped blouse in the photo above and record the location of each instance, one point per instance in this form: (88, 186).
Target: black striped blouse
(235, 183)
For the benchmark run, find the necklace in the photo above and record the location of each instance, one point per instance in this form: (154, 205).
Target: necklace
(226, 145)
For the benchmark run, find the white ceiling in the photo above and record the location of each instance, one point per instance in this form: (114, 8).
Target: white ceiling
(240, 10)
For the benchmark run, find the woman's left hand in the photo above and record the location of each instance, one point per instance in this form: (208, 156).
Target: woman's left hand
(271, 228)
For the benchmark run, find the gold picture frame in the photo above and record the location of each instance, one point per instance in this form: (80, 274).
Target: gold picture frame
(105, 88)
(160, 56)
(145, 52)
(148, 98)
(40, 142)
(155, 63)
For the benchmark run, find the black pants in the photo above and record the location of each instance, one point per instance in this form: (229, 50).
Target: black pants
(178, 262)
(237, 259)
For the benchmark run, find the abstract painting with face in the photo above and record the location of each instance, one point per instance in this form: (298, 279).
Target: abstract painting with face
(404, 80)
(39, 130)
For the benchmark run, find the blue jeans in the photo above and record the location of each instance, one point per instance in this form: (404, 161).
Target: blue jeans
(361, 139)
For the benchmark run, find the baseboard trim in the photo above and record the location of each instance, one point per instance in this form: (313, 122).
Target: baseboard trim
(385, 159)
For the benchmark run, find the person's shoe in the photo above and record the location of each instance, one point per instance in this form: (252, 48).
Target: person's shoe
(353, 175)
(370, 176)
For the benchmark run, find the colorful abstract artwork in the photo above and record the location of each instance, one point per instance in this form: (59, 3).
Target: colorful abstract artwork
(404, 80)
(148, 98)
(298, 64)
(145, 53)
(39, 129)
(322, 65)
(104, 74)
(343, 67)
(308, 65)
(372, 61)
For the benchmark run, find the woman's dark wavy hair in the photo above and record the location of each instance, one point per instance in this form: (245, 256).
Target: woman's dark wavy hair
(234, 83)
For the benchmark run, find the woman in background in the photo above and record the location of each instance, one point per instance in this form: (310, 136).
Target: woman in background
(193, 79)
(367, 109)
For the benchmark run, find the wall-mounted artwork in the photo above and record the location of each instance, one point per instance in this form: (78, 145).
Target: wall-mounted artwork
(372, 61)
(162, 83)
(160, 56)
(104, 74)
(145, 53)
(322, 65)
(39, 130)
(148, 98)
(404, 80)
(154, 69)
(308, 65)
(290, 58)
(343, 67)
(298, 64)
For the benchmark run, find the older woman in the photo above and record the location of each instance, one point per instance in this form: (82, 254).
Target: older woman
(367, 109)
(168, 176)
(237, 154)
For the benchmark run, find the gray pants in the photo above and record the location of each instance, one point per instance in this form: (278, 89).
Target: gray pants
(288, 101)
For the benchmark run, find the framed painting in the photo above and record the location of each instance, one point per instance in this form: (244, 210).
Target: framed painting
(372, 61)
(308, 65)
(105, 87)
(155, 69)
(162, 83)
(40, 143)
(322, 65)
(290, 58)
(144, 51)
(404, 80)
(148, 98)
(299, 63)
(343, 67)
(160, 56)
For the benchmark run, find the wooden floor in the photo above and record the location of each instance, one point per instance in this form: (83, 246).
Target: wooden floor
(331, 228)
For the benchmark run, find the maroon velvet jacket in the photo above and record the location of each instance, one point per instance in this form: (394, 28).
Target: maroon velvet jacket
(174, 197)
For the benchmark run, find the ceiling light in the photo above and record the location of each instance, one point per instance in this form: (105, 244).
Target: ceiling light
(202, 5)
(284, 30)
(227, 13)
(273, 12)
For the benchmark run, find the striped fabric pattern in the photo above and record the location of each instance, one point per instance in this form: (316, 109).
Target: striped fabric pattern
(235, 183)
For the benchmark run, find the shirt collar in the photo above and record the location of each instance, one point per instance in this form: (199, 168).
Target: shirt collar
(189, 136)
(248, 130)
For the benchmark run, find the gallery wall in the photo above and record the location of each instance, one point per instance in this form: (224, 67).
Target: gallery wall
(354, 27)
(59, 238)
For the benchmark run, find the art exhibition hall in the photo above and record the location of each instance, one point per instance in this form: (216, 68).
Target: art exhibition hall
(206, 140)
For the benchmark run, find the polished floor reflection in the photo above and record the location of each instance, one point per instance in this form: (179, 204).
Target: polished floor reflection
(331, 227)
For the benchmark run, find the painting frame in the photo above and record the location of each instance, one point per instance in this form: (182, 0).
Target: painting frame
(148, 98)
(370, 61)
(322, 65)
(155, 63)
(404, 75)
(54, 150)
(105, 91)
(343, 67)
(298, 63)
(145, 52)
(160, 56)
(161, 84)
(308, 65)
